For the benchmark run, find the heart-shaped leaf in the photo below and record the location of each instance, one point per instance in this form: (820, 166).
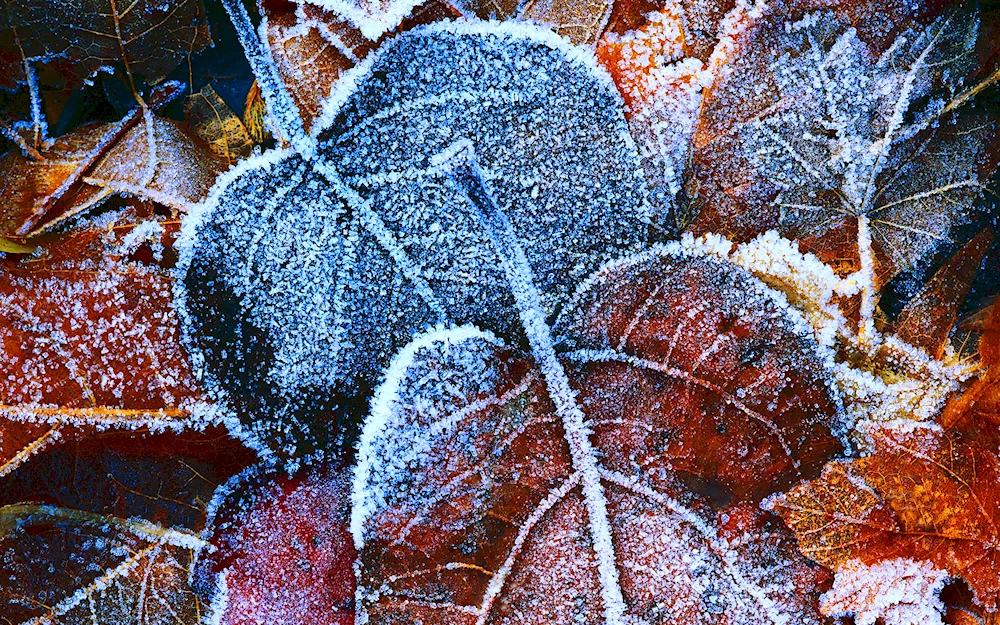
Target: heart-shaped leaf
(305, 277)
(474, 496)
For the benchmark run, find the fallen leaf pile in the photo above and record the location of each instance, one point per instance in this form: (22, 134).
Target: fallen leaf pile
(625, 312)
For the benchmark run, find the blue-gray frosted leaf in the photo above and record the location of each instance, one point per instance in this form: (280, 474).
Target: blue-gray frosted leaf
(304, 278)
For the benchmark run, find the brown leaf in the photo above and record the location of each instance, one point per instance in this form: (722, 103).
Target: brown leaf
(471, 492)
(776, 150)
(924, 494)
(158, 160)
(312, 48)
(981, 401)
(93, 336)
(211, 119)
(147, 37)
(927, 319)
(581, 21)
(27, 185)
(105, 528)
(40, 190)
(255, 114)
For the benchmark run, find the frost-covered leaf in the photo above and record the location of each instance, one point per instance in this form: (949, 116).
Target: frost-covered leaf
(304, 278)
(30, 187)
(284, 553)
(662, 90)
(86, 333)
(311, 49)
(157, 160)
(146, 37)
(104, 529)
(928, 318)
(924, 494)
(479, 498)
(211, 119)
(813, 131)
(139, 155)
(897, 591)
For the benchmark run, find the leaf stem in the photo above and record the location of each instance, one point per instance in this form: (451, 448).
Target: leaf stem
(459, 163)
(283, 110)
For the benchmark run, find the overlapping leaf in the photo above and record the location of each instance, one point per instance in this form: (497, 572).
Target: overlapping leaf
(923, 495)
(306, 277)
(104, 530)
(283, 550)
(88, 334)
(147, 37)
(470, 499)
(832, 132)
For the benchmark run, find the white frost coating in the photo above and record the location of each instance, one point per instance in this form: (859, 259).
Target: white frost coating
(220, 598)
(899, 591)
(364, 495)
(529, 306)
(903, 383)
(508, 31)
(301, 279)
(372, 17)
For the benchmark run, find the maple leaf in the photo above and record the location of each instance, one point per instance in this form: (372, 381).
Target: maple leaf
(105, 529)
(617, 481)
(925, 494)
(833, 137)
(304, 278)
(283, 549)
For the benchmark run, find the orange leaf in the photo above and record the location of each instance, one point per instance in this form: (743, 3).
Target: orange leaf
(92, 337)
(924, 494)
(927, 319)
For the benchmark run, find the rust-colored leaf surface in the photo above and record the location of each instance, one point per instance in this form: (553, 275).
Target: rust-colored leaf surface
(924, 494)
(471, 491)
(87, 332)
(284, 549)
(928, 318)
